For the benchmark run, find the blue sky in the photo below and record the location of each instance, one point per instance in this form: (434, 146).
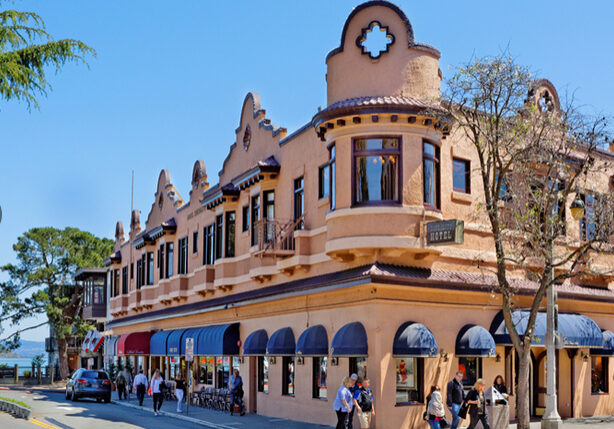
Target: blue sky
(168, 83)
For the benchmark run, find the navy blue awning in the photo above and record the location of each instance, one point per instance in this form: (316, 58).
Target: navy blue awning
(218, 340)
(255, 343)
(608, 345)
(474, 341)
(157, 343)
(350, 340)
(281, 343)
(313, 342)
(173, 342)
(189, 333)
(414, 339)
(575, 330)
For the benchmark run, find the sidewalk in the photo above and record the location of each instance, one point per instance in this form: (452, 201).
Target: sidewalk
(216, 419)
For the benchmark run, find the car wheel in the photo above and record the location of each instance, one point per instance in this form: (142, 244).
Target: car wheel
(99, 399)
(73, 396)
(67, 394)
(107, 399)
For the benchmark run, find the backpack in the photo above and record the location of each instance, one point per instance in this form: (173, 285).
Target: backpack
(365, 400)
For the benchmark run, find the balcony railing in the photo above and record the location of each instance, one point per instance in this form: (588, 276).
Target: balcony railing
(276, 237)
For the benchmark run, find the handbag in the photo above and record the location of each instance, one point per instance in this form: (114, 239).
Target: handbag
(462, 413)
(444, 423)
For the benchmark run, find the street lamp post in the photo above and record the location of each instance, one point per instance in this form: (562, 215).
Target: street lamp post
(552, 419)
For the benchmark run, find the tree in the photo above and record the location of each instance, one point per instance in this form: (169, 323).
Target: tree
(42, 283)
(26, 50)
(534, 158)
(38, 360)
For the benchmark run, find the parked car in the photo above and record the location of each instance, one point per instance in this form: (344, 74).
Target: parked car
(86, 383)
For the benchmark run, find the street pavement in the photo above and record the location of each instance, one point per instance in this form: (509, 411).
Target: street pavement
(52, 411)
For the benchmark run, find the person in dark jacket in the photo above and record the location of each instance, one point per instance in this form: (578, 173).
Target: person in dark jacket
(499, 384)
(454, 398)
(477, 406)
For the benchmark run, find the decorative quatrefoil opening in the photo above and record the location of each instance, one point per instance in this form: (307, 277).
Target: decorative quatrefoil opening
(374, 40)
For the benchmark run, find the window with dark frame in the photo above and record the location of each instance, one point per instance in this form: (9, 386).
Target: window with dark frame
(219, 236)
(287, 386)
(358, 366)
(125, 275)
(590, 224)
(461, 175)
(150, 268)
(255, 218)
(182, 257)
(332, 164)
(262, 382)
(245, 218)
(131, 270)
(599, 374)
(299, 201)
(376, 170)
(268, 214)
(324, 181)
(230, 234)
(143, 268)
(170, 253)
(206, 366)
(471, 367)
(161, 260)
(431, 176)
(410, 380)
(209, 244)
(139, 273)
(319, 377)
(124, 286)
(195, 242)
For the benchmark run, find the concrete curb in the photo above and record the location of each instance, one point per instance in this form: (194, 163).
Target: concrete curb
(36, 389)
(15, 409)
(176, 416)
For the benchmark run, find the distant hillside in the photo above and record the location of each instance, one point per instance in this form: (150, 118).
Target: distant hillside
(28, 349)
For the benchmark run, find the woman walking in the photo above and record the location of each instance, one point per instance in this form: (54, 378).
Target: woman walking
(180, 391)
(499, 384)
(343, 404)
(434, 408)
(477, 405)
(156, 390)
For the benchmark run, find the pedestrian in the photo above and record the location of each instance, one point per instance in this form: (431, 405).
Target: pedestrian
(140, 386)
(343, 403)
(120, 384)
(363, 402)
(157, 389)
(499, 384)
(128, 382)
(477, 406)
(353, 390)
(434, 408)
(454, 397)
(236, 392)
(180, 391)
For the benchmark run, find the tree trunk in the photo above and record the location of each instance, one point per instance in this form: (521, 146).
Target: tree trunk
(523, 403)
(63, 357)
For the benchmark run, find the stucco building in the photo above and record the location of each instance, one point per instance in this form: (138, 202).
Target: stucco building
(306, 259)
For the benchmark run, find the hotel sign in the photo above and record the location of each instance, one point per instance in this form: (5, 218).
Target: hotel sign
(445, 232)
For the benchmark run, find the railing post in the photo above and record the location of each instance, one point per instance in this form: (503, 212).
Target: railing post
(40, 375)
(16, 373)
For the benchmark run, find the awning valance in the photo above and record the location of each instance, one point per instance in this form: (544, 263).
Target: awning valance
(575, 330)
(414, 339)
(608, 345)
(281, 343)
(136, 343)
(173, 342)
(475, 341)
(313, 342)
(350, 340)
(255, 343)
(217, 340)
(157, 343)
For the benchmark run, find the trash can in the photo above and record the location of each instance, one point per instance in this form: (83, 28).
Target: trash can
(498, 409)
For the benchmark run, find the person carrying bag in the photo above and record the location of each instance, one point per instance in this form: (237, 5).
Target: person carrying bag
(435, 411)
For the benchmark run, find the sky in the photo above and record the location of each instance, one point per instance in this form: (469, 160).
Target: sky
(169, 79)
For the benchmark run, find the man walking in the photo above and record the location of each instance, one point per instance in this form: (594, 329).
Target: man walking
(127, 382)
(454, 397)
(120, 382)
(363, 399)
(140, 386)
(236, 392)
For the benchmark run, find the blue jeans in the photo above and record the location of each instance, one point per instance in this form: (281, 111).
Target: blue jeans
(434, 424)
(238, 399)
(455, 419)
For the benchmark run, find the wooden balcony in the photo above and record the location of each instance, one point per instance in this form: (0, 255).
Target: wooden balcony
(276, 237)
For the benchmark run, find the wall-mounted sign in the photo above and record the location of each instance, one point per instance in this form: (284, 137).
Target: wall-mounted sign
(445, 232)
(189, 349)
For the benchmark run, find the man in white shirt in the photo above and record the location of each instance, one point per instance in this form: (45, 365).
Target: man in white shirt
(140, 386)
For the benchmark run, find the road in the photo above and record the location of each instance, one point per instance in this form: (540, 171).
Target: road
(53, 411)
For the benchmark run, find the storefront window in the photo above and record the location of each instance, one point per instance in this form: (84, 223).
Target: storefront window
(222, 372)
(205, 371)
(288, 375)
(471, 367)
(263, 374)
(358, 366)
(410, 384)
(319, 377)
(376, 170)
(174, 367)
(599, 374)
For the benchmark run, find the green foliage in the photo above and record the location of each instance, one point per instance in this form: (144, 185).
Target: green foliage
(26, 50)
(41, 282)
(27, 374)
(38, 360)
(22, 404)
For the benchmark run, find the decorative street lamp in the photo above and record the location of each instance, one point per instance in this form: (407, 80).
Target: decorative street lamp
(552, 419)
